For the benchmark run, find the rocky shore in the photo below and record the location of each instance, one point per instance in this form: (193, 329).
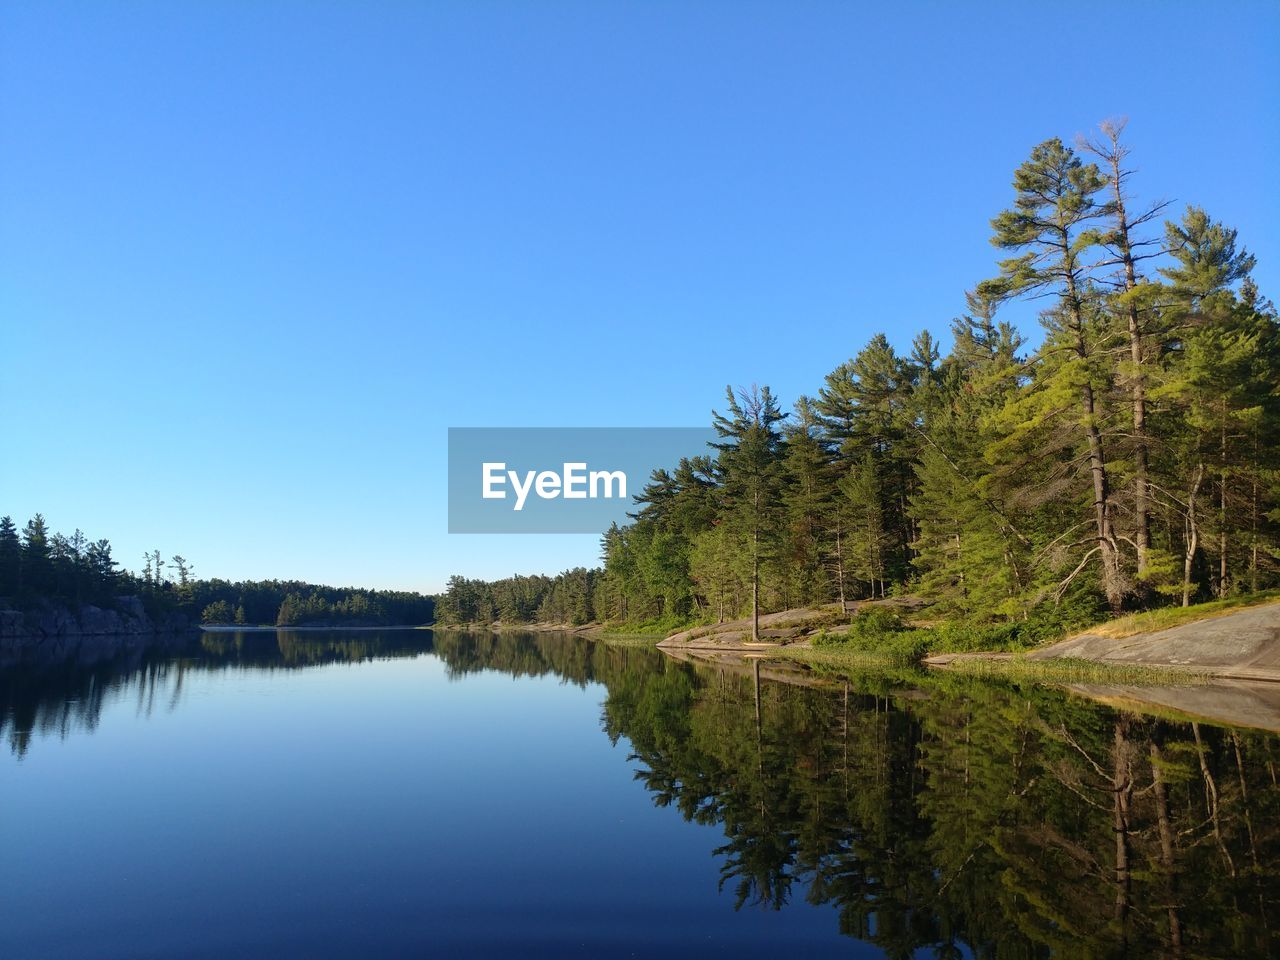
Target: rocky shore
(57, 633)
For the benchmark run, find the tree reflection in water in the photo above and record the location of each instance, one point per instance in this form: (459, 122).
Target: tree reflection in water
(969, 817)
(937, 813)
(62, 696)
(955, 817)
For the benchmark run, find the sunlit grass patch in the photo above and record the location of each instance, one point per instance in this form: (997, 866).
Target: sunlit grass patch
(1073, 670)
(842, 656)
(628, 638)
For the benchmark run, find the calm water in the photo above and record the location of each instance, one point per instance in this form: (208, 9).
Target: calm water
(395, 794)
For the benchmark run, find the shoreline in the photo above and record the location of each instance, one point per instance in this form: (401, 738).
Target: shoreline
(590, 631)
(260, 628)
(1222, 667)
(1240, 642)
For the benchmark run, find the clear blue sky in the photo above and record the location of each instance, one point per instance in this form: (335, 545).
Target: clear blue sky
(255, 258)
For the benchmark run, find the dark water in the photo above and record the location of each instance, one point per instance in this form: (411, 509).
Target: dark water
(394, 794)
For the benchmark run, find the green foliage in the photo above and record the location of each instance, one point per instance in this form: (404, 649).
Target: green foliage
(875, 630)
(218, 612)
(42, 568)
(807, 503)
(10, 558)
(873, 623)
(568, 598)
(720, 568)
(1131, 461)
(751, 479)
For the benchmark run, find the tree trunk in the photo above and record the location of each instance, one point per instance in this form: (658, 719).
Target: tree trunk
(1222, 513)
(1253, 518)
(1253, 544)
(1193, 535)
(1211, 800)
(1141, 520)
(755, 585)
(1112, 584)
(1121, 789)
(840, 565)
(1166, 851)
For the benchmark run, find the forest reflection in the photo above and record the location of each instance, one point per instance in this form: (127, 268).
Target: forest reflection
(59, 697)
(958, 817)
(934, 814)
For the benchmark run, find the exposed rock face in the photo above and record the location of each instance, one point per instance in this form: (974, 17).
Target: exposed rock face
(54, 633)
(1239, 703)
(1239, 643)
(784, 628)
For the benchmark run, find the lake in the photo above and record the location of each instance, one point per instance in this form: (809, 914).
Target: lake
(403, 793)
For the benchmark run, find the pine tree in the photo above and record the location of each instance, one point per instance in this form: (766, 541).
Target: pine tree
(37, 563)
(102, 566)
(752, 477)
(217, 612)
(865, 404)
(1051, 228)
(869, 539)
(966, 559)
(1133, 303)
(10, 558)
(720, 568)
(1221, 378)
(807, 500)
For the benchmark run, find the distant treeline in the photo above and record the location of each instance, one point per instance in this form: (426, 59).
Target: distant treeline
(1132, 459)
(294, 603)
(38, 568)
(566, 598)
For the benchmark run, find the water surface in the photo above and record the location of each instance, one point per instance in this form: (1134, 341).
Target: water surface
(402, 794)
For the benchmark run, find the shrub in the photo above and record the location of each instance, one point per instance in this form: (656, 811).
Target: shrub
(218, 612)
(962, 637)
(876, 623)
(879, 631)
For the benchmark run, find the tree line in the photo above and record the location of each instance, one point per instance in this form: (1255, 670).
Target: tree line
(37, 565)
(41, 568)
(568, 598)
(291, 603)
(1127, 461)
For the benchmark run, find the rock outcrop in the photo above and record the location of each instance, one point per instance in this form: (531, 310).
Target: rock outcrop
(785, 628)
(1244, 644)
(51, 633)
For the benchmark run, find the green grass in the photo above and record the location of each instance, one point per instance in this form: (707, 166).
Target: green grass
(628, 639)
(838, 659)
(884, 632)
(1072, 670)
